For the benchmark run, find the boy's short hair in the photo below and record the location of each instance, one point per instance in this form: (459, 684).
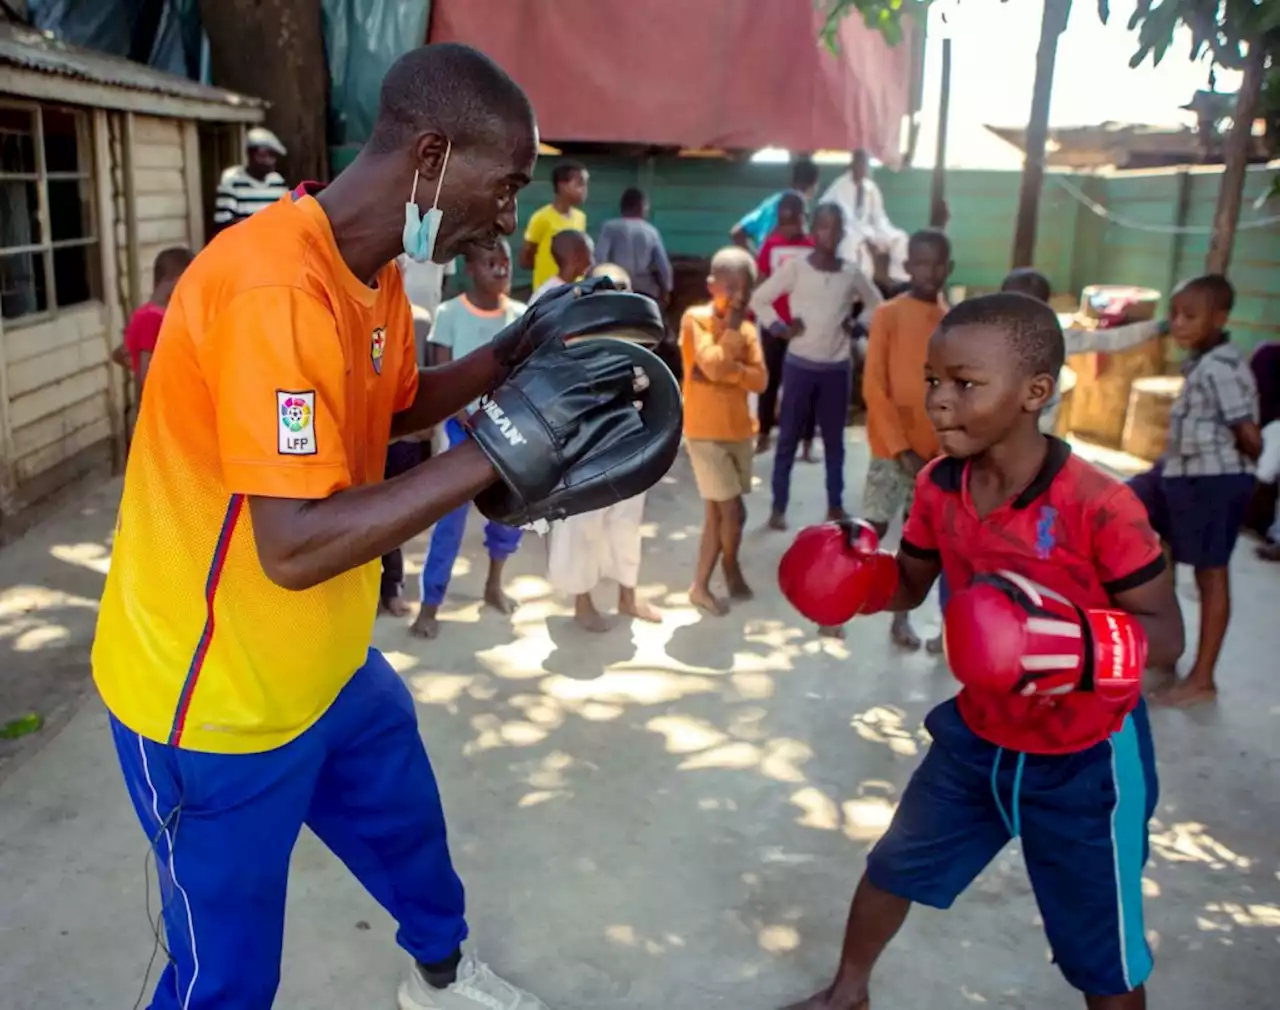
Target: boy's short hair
(804, 173)
(564, 171)
(792, 203)
(472, 252)
(1029, 325)
(1219, 290)
(633, 200)
(621, 279)
(1028, 281)
(930, 237)
(829, 207)
(733, 257)
(170, 263)
(565, 243)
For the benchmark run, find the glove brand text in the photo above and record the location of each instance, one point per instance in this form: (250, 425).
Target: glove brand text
(499, 417)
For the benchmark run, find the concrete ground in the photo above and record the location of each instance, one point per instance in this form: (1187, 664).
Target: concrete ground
(668, 816)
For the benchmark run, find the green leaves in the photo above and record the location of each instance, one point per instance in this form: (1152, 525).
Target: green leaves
(22, 726)
(884, 16)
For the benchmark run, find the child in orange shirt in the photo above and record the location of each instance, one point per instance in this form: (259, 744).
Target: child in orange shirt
(723, 362)
(899, 432)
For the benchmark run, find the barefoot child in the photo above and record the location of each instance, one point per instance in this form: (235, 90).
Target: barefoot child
(1031, 747)
(899, 434)
(1198, 492)
(723, 363)
(462, 325)
(818, 369)
(787, 240)
(604, 544)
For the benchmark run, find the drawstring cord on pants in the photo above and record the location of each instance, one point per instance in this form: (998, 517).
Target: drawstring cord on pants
(1014, 822)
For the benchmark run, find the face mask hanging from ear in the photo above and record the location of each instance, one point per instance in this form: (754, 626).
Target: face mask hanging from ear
(421, 230)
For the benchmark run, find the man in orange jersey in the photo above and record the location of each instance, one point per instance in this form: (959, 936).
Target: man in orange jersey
(232, 648)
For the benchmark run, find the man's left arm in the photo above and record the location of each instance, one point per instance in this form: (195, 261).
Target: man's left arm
(1131, 565)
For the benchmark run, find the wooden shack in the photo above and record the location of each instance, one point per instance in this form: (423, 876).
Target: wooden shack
(103, 163)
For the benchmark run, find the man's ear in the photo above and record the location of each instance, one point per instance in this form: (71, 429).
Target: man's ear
(1038, 392)
(428, 154)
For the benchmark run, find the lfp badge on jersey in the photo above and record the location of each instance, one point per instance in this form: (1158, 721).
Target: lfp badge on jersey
(378, 347)
(296, 422)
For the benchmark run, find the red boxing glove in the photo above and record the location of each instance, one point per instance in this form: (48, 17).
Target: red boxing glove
(1005, 633)
(833, 572)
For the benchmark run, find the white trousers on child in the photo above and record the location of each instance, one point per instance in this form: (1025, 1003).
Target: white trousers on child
(604, 544)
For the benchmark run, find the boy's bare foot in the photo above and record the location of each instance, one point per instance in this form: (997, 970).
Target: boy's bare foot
(496, 598)
(826, 1000)
(739, 590)
(904, 636)
(629, 606)
(585, 615)
(836, 515)
(396, 606)
(1185, 693)
(934, 645)
(777, 521)
(425, 624)
(763, 443)
(831, 630)
(702, 598)
(806, 454)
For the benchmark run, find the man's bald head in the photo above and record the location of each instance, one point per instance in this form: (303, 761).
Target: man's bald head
(451, 89)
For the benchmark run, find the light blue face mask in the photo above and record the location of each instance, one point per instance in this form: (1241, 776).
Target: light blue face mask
(421, 230)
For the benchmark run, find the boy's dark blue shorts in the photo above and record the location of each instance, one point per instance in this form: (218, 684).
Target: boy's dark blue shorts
(1198, 517)
(1083, 823)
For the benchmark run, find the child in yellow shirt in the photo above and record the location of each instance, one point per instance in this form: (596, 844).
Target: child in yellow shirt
(569, 180)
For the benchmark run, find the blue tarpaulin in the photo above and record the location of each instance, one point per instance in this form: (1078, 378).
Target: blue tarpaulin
(173, 42)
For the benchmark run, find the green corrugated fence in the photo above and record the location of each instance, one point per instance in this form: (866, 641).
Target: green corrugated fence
(696, 201)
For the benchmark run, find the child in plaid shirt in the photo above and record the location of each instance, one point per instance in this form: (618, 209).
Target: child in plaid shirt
(1197, 494)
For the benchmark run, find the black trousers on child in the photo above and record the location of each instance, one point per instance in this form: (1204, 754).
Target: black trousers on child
(401, 458)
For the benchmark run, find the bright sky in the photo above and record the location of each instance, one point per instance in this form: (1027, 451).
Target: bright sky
(993, 67)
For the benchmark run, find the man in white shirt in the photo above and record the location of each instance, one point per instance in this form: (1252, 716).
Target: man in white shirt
(245, 189)
(868, 229)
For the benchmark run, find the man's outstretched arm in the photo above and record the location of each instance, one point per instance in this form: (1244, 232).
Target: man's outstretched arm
(301, 543)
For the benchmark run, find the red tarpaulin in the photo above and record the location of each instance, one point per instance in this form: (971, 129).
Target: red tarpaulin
(693, 73)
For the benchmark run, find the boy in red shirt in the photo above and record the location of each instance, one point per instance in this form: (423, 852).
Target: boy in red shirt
(1069, 769)
(143, 329)
(788, 239)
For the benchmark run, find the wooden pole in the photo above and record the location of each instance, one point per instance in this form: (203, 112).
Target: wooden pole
(113, 318)
(938, 190)
(1052, 24)
(1236, 159)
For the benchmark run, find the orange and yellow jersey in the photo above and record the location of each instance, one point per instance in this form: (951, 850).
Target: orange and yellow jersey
(276, 374)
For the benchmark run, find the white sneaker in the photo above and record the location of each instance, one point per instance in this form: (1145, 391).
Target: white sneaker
(476, 986)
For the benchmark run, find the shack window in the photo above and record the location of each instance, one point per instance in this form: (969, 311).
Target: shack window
(48, 224)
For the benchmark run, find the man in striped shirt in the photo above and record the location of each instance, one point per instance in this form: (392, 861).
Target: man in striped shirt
(246, 189)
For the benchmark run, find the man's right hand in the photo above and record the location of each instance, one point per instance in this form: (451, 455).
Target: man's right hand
(533, 427)
(521, 338)
(796, 329)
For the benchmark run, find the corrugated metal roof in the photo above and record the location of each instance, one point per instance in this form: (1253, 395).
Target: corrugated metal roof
(35, 50)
